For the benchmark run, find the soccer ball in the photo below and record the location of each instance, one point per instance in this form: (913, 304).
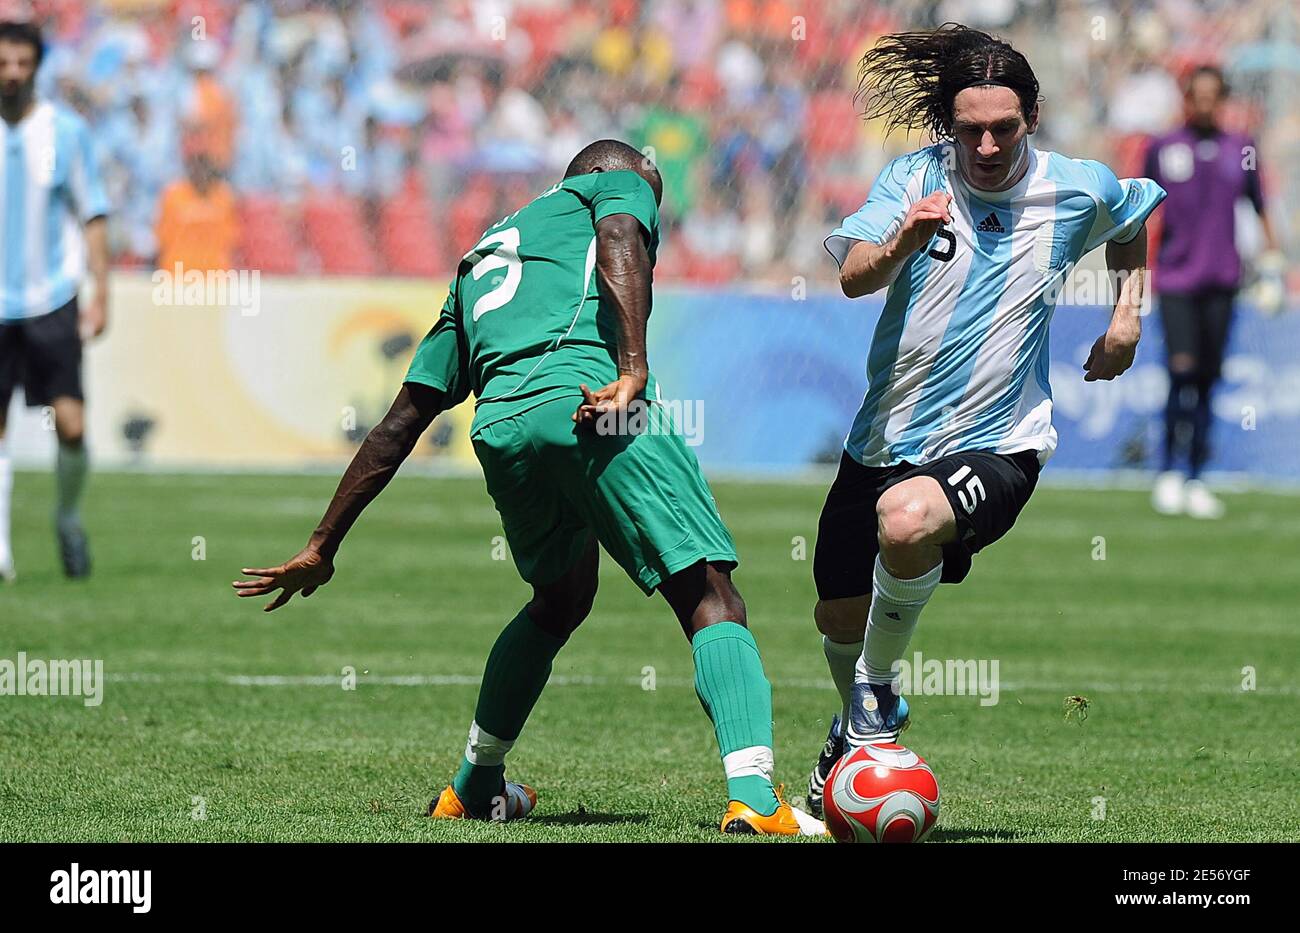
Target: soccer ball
(881, 793)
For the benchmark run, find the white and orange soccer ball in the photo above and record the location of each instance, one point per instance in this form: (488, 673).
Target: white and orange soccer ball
(881, 793)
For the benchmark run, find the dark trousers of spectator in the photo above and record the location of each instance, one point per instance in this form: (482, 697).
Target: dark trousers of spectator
(1196, 325)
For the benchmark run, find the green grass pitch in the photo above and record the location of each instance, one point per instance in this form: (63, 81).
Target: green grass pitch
(220, 722)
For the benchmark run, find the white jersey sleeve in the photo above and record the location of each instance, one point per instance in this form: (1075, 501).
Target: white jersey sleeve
(898, 186)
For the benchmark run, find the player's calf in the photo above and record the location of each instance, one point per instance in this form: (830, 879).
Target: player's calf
(71, 466)
(559, 608)
(516, 672)
(734, 691)
(914, 521)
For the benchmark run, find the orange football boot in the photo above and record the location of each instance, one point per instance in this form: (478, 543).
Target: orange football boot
(741, 819)
(520, 801)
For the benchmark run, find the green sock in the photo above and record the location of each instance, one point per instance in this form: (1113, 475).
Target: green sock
(476, 785)
(733, 690)
(70, 472)
(517, 669)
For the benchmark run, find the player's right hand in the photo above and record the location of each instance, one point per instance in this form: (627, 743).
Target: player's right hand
(923, 220)
(304, 572)
(613, 398)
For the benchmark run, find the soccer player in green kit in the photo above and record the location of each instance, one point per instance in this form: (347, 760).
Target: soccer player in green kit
(555, 298)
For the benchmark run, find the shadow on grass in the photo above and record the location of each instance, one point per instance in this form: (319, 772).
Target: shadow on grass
(974, 835)
(943, 835)
(581, 817)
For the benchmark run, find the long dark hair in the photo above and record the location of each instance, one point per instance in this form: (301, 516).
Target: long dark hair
(912, 78)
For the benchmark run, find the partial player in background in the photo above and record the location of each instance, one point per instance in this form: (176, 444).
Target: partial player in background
(554, 297)
(972, 236)
(53, 208)
(1206, 169)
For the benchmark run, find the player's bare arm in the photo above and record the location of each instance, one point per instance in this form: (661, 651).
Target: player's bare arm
(1113, 352)
(869, 267)
(94, 314)
(623, 273)
(387, 445)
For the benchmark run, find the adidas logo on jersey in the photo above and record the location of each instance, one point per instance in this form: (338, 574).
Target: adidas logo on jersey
(990, 224)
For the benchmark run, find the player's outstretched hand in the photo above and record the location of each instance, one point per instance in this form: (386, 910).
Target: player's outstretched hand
(923, 220)
(1111, 355)
(615, 397)
(303, 573)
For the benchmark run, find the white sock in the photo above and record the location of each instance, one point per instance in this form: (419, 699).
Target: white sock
(484, 748)
(755, 761)
(842, 659)
(895, 608)
(71, 473)
(6, 493)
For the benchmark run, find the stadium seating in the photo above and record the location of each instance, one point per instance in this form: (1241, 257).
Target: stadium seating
(336, 231)
(268, 239)
(409, 240)
(831, 125)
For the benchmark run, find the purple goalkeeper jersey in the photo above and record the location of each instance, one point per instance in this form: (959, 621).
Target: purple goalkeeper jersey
(1205, 174)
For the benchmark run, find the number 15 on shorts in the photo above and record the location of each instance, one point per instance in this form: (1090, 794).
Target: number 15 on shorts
(972, 493)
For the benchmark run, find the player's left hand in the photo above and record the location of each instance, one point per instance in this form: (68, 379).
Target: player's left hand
(1111, 355)
(304, 572)
(615, 397)
(94, 318)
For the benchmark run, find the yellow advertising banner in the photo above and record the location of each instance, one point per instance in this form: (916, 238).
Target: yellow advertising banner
(271, 372)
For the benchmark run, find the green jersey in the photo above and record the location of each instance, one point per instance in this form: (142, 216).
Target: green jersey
(524, 321)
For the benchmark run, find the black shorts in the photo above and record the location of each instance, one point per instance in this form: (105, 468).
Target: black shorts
(986, 491)
(43, 355)
(1197, 324)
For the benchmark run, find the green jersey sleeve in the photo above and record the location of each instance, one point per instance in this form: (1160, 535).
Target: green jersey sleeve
(623, 192)
(441, 359)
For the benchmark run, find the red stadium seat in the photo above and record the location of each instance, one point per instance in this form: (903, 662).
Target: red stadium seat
(268, 242)
(336, 231)
(831, 125)
(845, 195)
(670, 264)
(409, 239)
(470, 214)
(710, 270)
(1130, 151)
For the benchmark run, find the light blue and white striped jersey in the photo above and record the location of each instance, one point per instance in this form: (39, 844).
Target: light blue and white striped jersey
(51, 187)
(959, 358)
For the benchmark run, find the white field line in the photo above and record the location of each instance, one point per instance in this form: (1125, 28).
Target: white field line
(565, 680)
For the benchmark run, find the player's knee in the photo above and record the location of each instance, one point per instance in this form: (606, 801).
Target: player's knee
(561, 612)
(904, 519)
(842, 620)
(69, 425)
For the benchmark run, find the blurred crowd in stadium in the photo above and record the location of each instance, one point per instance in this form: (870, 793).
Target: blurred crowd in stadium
(381, 137)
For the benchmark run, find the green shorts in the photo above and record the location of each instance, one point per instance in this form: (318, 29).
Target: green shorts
(642, 495)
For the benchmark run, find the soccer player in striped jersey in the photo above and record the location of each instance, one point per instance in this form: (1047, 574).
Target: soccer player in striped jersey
(53, 211)
(972, 237)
